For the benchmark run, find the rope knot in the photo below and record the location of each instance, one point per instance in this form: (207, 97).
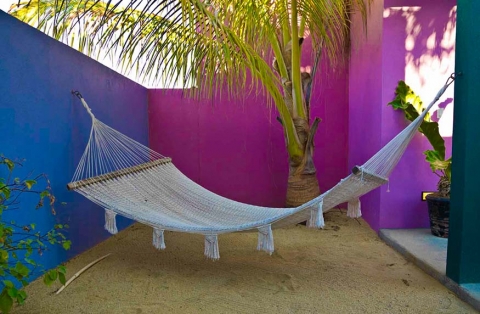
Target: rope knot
(85, 105)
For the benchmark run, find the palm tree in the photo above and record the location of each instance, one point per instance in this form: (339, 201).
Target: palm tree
(215, 45)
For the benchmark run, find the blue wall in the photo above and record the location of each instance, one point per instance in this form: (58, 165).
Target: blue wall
(42, 122)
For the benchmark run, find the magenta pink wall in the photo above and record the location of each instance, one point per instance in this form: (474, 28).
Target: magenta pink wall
(237, 149)
(407, 40)
(365, 85)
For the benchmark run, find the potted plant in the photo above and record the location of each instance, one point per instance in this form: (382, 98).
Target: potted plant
(439, 202)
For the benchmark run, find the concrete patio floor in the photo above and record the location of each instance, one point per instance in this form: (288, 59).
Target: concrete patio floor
(430, 254)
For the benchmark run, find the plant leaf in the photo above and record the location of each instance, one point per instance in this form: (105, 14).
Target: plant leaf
(29, 183)
(5, 190)
(12, 292)
(6, 301)
(47, 280)
(62, 269)
(22, 269)
(53, 274)
(10, 164)
(21, 298)
(61, 278)
(404, 98)
(8, 284)
(3, 256)
(66, 244)
(432, 133)
(436, 161)
(412, 106)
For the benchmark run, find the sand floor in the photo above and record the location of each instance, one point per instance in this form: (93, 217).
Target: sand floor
(344, 268)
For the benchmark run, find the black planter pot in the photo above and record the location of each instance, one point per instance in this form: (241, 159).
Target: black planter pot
(439, 213)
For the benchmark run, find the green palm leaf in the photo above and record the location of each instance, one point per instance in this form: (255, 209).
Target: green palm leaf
(214, 45)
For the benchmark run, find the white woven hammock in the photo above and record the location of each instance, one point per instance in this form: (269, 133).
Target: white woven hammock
(129, 179)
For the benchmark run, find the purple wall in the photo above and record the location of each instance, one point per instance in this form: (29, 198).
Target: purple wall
(411, 41)
(365, 85)
(42, 122)
(237, 149)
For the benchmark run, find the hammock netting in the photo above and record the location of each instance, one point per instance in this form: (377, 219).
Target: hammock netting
(127, 178)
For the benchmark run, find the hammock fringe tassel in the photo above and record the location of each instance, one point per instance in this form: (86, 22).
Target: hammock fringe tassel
(110, 221)
(211, 247)
(265, 239)
(316, 217)
(354, 208)
(158, 239)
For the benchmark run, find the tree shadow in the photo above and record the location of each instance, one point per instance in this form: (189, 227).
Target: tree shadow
(424, 55)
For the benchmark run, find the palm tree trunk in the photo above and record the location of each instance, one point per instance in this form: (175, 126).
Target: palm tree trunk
(302, 179)
(302, 182)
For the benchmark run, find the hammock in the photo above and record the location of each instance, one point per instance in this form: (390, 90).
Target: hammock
(129, 179)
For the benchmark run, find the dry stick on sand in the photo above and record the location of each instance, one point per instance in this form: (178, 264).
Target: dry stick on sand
(80, 272)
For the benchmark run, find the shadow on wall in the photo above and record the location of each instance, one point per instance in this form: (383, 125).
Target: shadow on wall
(418, 45)
(429, 52)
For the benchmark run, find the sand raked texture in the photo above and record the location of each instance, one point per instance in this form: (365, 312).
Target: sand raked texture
(344, 268)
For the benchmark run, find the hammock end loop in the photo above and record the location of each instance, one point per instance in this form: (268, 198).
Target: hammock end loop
(452, 78)
(77, 93)
(84, 103)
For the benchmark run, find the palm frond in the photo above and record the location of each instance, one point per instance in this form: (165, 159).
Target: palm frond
(213, 44)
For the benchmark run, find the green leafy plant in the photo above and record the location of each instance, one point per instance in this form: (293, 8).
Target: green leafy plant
(21, 243)
(411, 104)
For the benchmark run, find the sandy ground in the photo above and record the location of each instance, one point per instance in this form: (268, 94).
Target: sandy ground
(344, 268)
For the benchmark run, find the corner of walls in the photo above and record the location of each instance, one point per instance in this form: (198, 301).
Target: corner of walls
(236, 148)
(411, 40)
(330, 103)
(365, 85)
(41, 121)
(418, 47)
